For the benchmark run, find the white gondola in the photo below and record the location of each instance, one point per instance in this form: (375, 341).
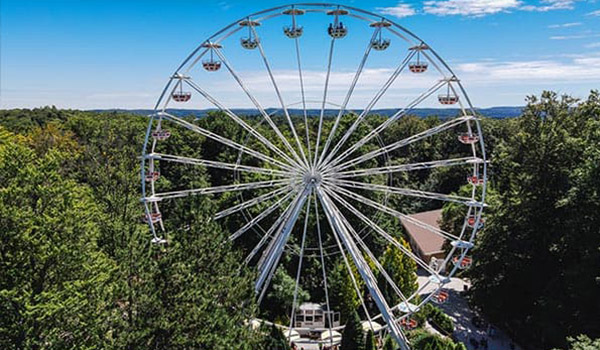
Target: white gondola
(448, 99)
(418, 67)
(380, 44)
(293, 32)
(249, 43)
(211, 65)
(337, 31)
(181, 96)
(158, 240)
(161, 135)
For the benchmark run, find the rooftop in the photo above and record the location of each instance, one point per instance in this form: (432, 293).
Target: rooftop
(427, 241)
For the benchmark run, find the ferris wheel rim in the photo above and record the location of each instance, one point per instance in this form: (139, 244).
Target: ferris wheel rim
(151, 206)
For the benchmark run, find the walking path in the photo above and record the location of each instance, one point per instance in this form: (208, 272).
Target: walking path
(463, 316)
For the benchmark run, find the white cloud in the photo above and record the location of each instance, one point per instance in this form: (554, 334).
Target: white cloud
(574, 36)
(592, 45)
(565, 25)
(549, 5)
(474, 8)
(594, 13)
(578, 69)
(400, 10)
(479, 8)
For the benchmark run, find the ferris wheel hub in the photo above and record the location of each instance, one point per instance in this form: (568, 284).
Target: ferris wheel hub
(311, 179)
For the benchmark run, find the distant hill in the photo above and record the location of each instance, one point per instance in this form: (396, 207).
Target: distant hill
(492, 112)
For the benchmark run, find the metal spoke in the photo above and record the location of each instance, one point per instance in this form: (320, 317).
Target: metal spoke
(217, 165)
(226, 141)
(301, 78)
(382, 232)
(348, 95)
(371, 256)
(350, 273)
(269, 232)
(272, 259)
(242, 123)
(395, 213)
(320, 128)
(251, 202)
(409, 192)
(283, 106)
(324, 271)
(369, 107)
(401, 143)
(409, 167)
(301, 256)
(384, 125)
(333, 215)
(156, 197)
(259, 107)
(260, 216)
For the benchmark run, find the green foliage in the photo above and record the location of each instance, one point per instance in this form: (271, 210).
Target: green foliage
(281, 296)
(78, 270)
(583, 342)
(389, 344)
(537, 262)
(439, 319)
(401, 269)
(423, 340)
(275, 340)
(370, 341)
(343, 294)
(353, 336)
(55, 280)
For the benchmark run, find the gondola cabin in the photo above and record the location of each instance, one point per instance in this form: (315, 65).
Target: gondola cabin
(312, 316)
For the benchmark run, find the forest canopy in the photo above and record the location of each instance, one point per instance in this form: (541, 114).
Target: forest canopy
(79, 271)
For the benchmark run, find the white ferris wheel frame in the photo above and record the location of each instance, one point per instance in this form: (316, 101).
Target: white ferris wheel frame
(323, 175)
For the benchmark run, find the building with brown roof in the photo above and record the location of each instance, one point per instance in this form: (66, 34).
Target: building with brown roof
(423, 242)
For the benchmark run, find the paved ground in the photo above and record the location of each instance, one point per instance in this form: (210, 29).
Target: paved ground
(462, 315)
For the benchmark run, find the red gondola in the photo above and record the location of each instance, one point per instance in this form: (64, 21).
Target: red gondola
(440, 297)
(475, 180)
(468, 139)
(463, 264)
(153, 218)
(472, 219)
(152, 176)
(408, 323)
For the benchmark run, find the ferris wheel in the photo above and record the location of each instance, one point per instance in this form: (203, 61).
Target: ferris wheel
(329, 166)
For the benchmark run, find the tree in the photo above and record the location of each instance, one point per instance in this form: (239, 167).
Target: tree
(389, 344)
(55, 283)
(353, 336)
(583, 342)
(401, 269)
(370, 341)
(275, 340)
(536, 263)
(343, 296)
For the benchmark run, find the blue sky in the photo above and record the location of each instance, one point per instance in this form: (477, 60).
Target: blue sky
(106, 54)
